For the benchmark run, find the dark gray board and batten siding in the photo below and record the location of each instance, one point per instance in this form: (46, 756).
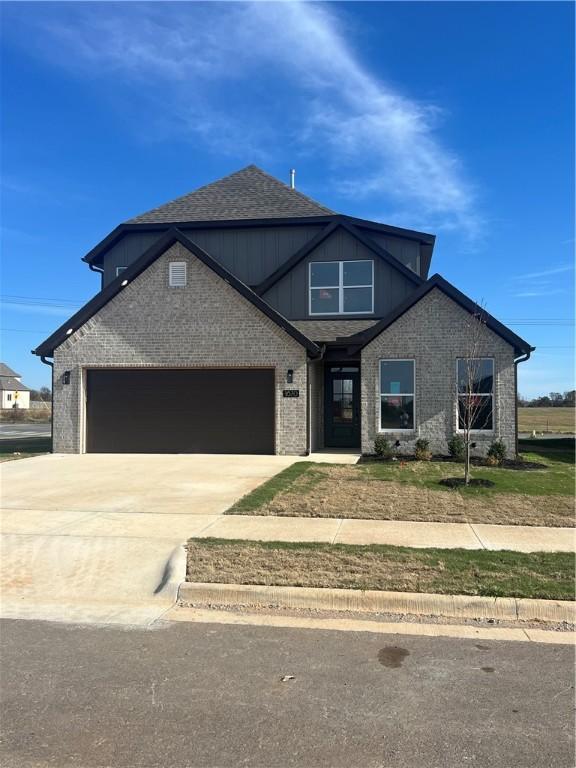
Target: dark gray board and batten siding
(290, 294)
(252, 254)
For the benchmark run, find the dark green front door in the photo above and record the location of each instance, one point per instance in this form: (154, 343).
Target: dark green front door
(342, 407)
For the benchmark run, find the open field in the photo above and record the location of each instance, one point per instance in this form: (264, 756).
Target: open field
(409, 490)
(546, 419)
(444, 571)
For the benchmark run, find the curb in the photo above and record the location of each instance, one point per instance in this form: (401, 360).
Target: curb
(369, 601)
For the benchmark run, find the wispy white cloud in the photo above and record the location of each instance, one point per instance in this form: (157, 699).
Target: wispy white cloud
(546, 272)
(379, 143)
(536, 293)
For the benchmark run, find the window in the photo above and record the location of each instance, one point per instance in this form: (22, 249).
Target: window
(396, 395)
(9, 396)
(475, 377)
(341, 287)
(177, 274)
(119, 270)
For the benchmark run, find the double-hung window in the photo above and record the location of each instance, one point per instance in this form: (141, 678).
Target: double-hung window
(396, 395)
(341, 287)
(475, 380)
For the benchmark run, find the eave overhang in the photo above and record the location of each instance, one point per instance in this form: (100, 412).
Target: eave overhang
(521, 347)
(67, 329)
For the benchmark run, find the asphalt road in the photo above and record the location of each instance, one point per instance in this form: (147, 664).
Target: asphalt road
(200, 696)
(11, 431)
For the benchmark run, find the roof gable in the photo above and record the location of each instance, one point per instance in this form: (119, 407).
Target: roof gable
(246, 194)
(312, 244)
(437, 281)
(7, 371)
(10, 384)
(46, 349)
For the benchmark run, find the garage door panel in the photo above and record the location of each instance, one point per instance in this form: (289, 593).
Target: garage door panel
(180, 411)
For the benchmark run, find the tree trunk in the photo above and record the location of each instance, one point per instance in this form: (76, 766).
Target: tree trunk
(467, 464)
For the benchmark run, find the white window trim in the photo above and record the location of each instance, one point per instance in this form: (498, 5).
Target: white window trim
(181, 264)
(396, 394)
(119, 270)
(492, 394)
(340, 287)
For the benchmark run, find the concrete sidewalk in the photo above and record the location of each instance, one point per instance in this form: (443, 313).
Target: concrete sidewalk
(519, 538)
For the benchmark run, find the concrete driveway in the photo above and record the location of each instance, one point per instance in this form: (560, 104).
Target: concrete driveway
(98, 537)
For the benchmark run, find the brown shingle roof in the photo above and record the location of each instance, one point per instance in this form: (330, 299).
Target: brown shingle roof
(247, 194)
(330, 330)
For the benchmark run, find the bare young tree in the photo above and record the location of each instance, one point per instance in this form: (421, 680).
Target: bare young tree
(475, 385)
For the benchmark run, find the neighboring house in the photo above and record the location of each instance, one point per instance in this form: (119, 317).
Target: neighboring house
(246, 318)
(13, 394)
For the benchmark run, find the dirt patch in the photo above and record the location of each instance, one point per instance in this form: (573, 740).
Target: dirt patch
(345, 492)
(392, 656)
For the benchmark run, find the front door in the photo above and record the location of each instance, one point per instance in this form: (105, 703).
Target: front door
(342, 407)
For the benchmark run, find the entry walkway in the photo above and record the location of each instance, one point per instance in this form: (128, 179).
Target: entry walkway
(519, 538)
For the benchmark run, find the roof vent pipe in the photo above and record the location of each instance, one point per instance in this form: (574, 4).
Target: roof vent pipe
(292, 178)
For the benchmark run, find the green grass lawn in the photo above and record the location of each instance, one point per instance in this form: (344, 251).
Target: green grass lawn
(280, 482)
(540, 575)
(24, 447)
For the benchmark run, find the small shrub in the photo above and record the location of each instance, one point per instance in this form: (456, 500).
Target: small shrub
(496, 453)
(422, 450)
(457, 447)
(383, 448)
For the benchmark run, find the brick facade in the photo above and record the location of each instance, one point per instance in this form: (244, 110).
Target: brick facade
(205, 324)
(433, 333)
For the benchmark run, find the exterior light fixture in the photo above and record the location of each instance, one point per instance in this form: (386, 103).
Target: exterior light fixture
(69, 331)
(289, 376)
(66, 377)
(397, 444)
(124, 282)
(472, 445)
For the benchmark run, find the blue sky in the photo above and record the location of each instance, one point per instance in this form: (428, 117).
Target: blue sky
(455, 118)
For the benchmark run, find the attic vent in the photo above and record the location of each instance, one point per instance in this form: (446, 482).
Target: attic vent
(177, 274)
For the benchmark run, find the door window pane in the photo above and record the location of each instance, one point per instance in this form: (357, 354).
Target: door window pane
(342, 400)
(357, 273)
(357, 299)
(324, 300)
(324, 274)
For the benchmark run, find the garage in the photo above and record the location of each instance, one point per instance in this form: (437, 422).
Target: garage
(219, 410)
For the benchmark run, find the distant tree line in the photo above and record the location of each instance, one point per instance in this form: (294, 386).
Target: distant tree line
(43, 395)
(552, 400)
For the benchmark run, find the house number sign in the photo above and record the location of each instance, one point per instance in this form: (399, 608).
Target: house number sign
(291, 392)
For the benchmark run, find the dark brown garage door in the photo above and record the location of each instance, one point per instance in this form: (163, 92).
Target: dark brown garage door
(180, 411)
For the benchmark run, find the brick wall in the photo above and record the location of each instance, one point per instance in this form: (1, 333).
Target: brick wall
(205, 324)
(433, 333)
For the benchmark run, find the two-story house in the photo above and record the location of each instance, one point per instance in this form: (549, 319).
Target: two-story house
(245, 317)
(13, 394)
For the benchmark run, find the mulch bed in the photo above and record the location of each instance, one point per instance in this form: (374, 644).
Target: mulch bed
(458, 482)
(476, 461)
